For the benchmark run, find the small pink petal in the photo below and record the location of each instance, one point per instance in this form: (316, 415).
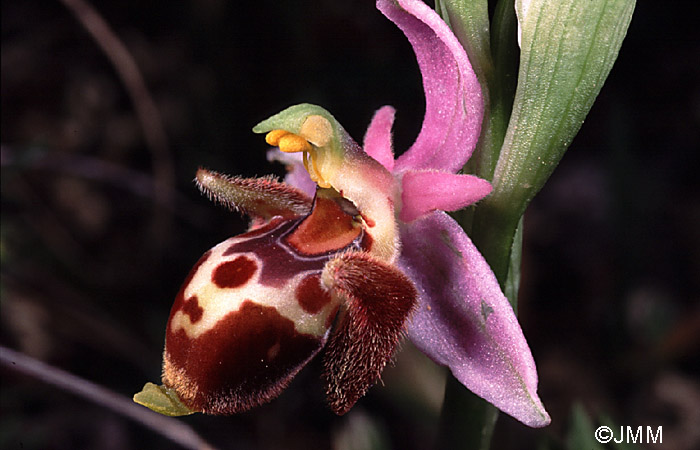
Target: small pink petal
(426, 191)
(377, 141)
(463, 320)
(453, 103)
(297, 175)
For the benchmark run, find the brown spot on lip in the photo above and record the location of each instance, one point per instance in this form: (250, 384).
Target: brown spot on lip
(235, 273)
(247, 359)
(310, 295)
(191, 308)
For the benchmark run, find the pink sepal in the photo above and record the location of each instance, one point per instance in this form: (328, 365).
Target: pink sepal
(464, 321)
(453, 103)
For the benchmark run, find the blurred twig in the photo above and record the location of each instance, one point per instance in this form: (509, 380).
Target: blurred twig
(95, 169)
(145, 107)
(172, 429)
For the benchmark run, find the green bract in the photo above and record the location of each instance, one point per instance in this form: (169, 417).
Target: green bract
(568, 49)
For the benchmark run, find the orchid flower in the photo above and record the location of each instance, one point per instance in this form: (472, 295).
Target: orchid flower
(372, 257)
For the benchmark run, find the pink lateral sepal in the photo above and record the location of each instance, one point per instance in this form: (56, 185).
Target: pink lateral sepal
(378, 301)
(464, 321)
(261, 198)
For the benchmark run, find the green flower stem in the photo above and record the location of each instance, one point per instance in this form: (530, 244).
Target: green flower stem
(493, 232)
(467, 421)
(500, 85)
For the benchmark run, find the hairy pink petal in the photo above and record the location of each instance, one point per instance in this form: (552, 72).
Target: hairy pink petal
(425, 191)
(377, 143)
(453, 103)
(463, 320)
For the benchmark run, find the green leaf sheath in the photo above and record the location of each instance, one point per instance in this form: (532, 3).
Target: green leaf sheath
(568, 49)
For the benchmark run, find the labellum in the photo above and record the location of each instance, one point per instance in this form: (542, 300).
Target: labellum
(258, 306)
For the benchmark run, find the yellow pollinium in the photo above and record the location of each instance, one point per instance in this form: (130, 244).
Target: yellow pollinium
(288, 142)
(315, 133)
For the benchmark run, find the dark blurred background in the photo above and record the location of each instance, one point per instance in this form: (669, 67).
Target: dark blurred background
(97, 234)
